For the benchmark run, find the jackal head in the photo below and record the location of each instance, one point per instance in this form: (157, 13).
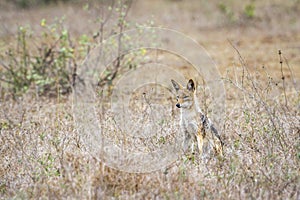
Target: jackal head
(184, 96)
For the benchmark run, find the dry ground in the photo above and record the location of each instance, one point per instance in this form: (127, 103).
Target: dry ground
(42, 155)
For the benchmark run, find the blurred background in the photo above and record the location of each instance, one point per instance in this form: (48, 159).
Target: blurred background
(257, 27)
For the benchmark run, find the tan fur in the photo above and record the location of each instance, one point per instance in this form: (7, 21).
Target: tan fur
(194, 123)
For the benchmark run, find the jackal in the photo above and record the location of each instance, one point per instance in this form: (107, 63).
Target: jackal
(194, 123)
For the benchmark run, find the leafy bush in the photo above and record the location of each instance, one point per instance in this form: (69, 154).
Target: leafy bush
(237, 13)
(227, 11)
(30, 3)
(48, 69)
(249, 10)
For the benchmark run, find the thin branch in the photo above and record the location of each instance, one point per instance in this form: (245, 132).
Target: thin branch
(282, 77)
(249, 77)
(241, 60)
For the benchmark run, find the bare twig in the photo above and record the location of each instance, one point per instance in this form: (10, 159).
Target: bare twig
(123, 12)
(254, 87)
(282, 78)
(241, 60)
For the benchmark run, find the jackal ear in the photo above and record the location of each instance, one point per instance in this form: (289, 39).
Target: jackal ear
(191, 85)
(175, 85)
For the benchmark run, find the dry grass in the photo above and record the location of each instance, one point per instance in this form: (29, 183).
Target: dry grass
(42, 155)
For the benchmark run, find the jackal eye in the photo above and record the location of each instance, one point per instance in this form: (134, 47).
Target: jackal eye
(177, 97)
(185, 97)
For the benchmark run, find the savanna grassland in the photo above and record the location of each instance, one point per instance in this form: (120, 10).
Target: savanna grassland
(255, 46)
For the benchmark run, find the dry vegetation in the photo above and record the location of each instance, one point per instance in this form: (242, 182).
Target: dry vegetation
(42, 155)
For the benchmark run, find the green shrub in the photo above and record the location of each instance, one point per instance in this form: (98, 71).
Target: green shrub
(227, 11)
(48, 69)
(49, 66)
(31, 3)
(249, 10)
